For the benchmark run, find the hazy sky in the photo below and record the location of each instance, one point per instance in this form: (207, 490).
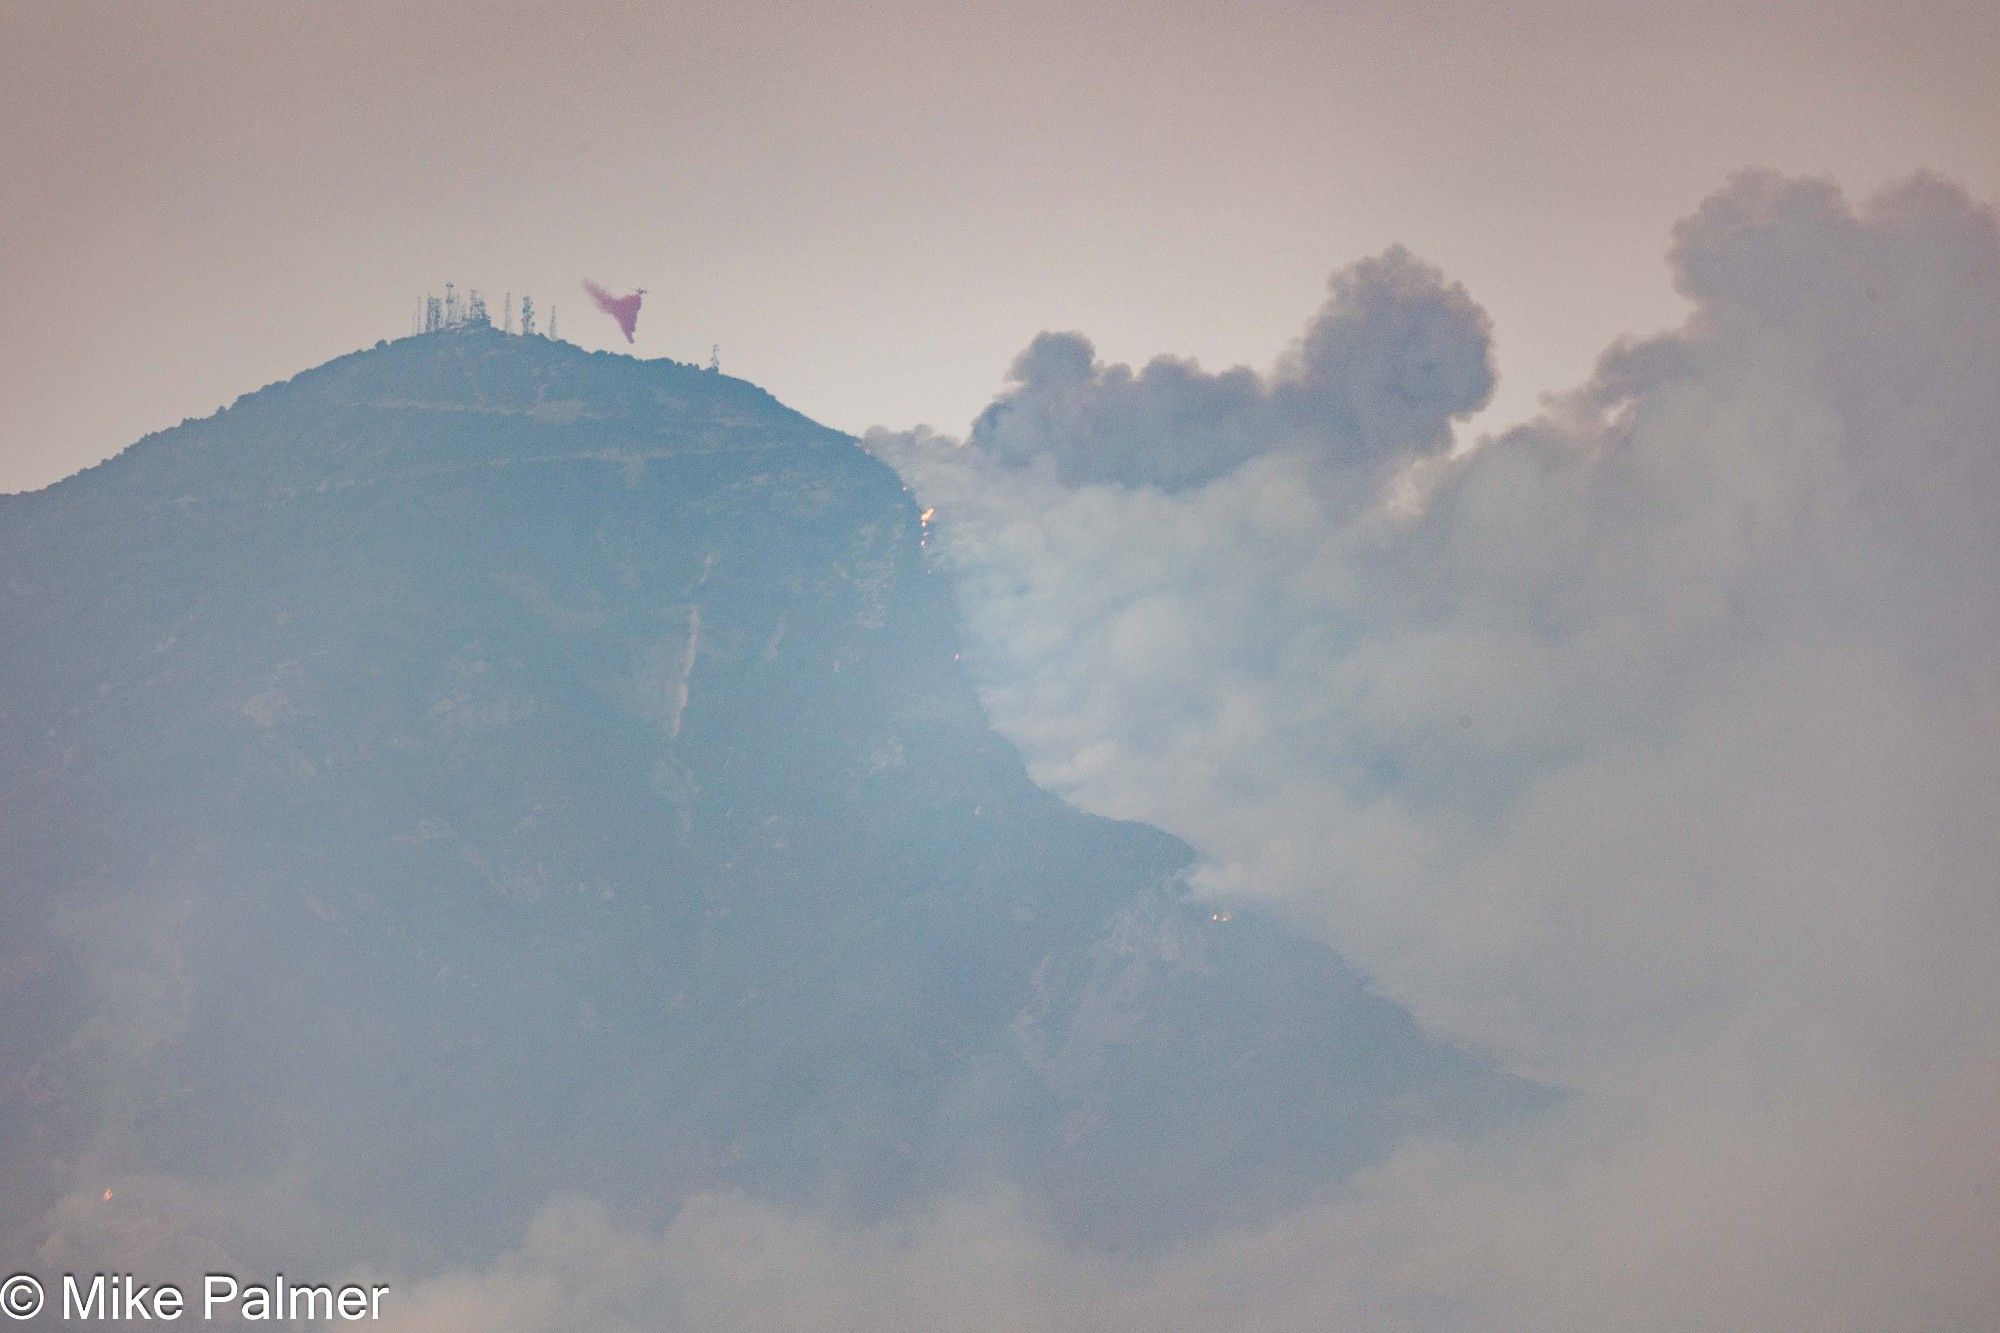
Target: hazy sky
(873, 207)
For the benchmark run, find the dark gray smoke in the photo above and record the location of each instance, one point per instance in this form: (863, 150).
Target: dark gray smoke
(1393, 357)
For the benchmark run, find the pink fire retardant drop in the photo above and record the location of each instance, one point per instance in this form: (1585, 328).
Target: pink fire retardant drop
(624, 309)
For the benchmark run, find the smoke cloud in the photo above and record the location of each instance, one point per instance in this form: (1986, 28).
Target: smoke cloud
(1394, 355)
(1651, 746)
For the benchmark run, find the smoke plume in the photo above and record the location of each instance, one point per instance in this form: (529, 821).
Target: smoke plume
(1652, 746)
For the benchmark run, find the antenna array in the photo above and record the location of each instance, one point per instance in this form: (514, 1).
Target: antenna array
(450, 312)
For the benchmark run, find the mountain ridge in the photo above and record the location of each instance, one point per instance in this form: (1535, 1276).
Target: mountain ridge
(601, 790)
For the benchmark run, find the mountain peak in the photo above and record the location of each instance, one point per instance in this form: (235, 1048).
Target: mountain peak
(462, 397)
(575, 749)
(480, 369)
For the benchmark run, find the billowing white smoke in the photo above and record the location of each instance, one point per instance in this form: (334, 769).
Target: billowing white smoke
(1669, 710)
(1653, 746)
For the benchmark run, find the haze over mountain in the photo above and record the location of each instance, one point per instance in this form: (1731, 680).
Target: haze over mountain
(477, 770)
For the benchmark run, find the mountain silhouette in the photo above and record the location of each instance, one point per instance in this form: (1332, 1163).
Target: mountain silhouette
(477, 770)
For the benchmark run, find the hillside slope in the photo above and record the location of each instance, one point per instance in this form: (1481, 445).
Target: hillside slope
(477, 769)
